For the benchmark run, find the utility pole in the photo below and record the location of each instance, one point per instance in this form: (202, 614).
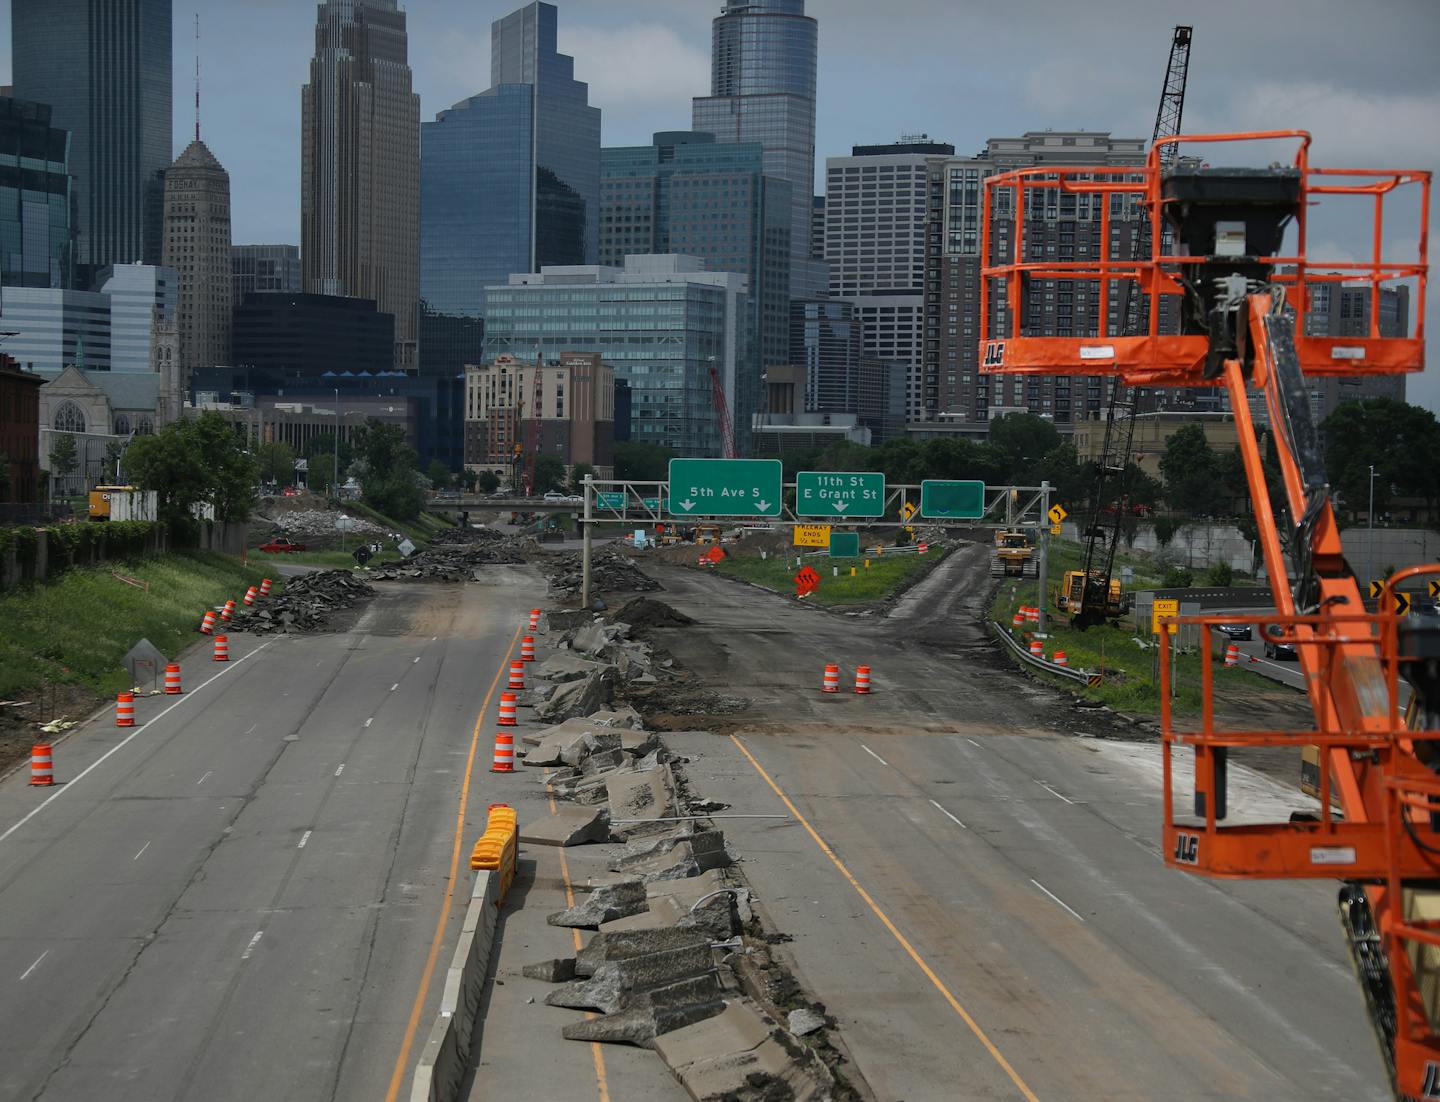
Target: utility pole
(585, 544)
(1044, 569)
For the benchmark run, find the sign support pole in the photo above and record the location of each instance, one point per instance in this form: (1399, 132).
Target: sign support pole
(585, 544)
(1044, 568)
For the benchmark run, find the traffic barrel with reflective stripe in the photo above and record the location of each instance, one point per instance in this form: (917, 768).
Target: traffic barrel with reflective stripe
(1019, 619)
(125, 710)
(172, 679)
(264, 587)
(250, 594)
(507, 710)
(534, 618)
(862, 679)
(832, 678)
(207, 625)
(222, 648)
(42, 765)
(228, 610)
(1232, 655)
(1061, 658)
(527, 649)
(1037, 649)
(517, 675)
(504, 753)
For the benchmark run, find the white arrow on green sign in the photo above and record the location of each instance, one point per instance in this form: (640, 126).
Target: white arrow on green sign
(839, 494)
(610, 499)
(725, 487)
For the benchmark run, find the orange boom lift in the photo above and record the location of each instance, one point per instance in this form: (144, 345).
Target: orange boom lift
(1242, 303)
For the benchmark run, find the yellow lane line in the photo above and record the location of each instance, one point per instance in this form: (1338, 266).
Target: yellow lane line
(398, 1075)
(974, 1026)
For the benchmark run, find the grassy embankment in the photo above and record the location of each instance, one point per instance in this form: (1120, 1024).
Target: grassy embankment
(885, 575)
(75, 629)
(1131, 685)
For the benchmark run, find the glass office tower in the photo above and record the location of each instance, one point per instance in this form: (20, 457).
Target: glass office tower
(762, 89)
(37, 200)
(104, 68)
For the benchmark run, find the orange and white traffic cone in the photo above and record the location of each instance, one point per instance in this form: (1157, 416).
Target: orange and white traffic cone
(42, 765)
(250, 595)
(832, 678)
(125, 710)
(504, 753)
(264, 587)
(517, 675)
(527, 649)
(222, 648)
(1232, 655)
(207, 625)
(507, 710)
(1037, 649)
(1061, 659)
(172, 679)
(862, 679)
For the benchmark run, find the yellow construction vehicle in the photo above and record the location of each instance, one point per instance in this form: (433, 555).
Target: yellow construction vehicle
(99, 503)
(1086, 599)
(1014, 555)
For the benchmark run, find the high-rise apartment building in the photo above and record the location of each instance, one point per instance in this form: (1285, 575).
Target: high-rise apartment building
(104, 67)
(762, 89)
(662, 322)
(360, 165)
(267, 268)
(875, 208)
(37, 198)
(197, 247)
(1065, 228)
(838, 376)
(686, 193)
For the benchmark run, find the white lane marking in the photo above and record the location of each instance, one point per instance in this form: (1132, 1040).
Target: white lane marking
(947, 815)
(1057, 899)
(252, 728)
(416, 660)
(150, 723)
(36, 965)
(973, 743)
(208, 773)
(433, 638)
(340, 769)
(303, 839)
(394, 686)
(874, 755)
(369, 721)
(254, 941)
(142, 850)
(1052, 792)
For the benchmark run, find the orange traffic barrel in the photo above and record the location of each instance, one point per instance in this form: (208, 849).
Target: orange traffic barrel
(207, 625)
(228, 610)
(1037, 649)
(250, 595)
(1018, 621)
(507, 710)
(517, 675)
(264, 587)
(1232, 655)
(534, 618)
(1061, 659)
(42, 765)
(527, 649)
(172, 679)
(922, 548)
(832, 678)
(1033, 614)
(862, 679)
(504, 753)
(222, 648)
(125, 710)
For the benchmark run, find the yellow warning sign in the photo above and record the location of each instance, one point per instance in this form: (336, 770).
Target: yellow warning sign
(1163, 607)
(1057, 513)
(908, 510)
(812, 535)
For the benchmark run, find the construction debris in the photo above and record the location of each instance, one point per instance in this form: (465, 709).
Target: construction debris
(305, 605)
(319, 523)
(610, 572)
(458, 561)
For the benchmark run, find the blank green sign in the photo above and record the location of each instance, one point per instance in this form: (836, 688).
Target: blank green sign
(946, 500)
(844, 545)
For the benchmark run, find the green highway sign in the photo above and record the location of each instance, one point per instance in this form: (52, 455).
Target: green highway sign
(651, 503)
(725, 487)
(839, 494)
(946, 500)
(844, 545)
(607, 499)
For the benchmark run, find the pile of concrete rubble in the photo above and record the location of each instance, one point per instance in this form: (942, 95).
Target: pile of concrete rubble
(305, 605)
(303, 524)
(610, 572)
(678, 961)
(458, 561)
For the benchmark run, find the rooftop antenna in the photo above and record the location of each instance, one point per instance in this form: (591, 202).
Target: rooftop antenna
(197, 76)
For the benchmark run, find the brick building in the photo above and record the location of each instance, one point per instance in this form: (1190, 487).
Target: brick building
(19, 433)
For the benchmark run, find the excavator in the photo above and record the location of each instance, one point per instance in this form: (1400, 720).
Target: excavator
(1229, 246)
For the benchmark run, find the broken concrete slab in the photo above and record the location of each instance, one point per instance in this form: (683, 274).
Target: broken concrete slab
(736, 1055)
(572, 746)
(615, 981)
(574, 727)
(623, 945)
(564, 666)
(568, 826)
(803, 1021)
(623, 716)
(578, 698)
(603, 905)
(639, 743)
(650, 1014)
(555, 970)
(594, 637)
(641, 795)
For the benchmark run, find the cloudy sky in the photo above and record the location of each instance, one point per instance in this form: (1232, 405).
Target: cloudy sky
(1360, 74)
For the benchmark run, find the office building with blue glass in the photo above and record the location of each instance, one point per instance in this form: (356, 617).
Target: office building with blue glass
(662, 322)
(686, 193)
(509, 178)
(37, 198)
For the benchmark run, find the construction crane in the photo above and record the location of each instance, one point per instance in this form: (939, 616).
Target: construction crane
(722, 414)
(1090, 595)
(1243, 297)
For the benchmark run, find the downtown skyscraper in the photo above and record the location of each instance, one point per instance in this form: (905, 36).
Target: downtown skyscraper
(762, 89)
(104, 68)
(360, 165)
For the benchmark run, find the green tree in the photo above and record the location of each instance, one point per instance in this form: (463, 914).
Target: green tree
(846, 455)
(549, 474)
(642, 462)
(63, 457)
(386, 467)
(1399, 440)
(487, 482)
(192, 461)
(1022, 441)
(320, 476)
(577, 477)
(1062, 469)
(1165, 529)
(277, 461)
(439, 475)
(324, 444)
(1191, 472)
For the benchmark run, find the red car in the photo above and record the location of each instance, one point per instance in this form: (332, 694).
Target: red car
(280, 543)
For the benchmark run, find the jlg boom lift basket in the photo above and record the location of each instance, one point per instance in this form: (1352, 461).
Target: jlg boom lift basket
(1215, 263)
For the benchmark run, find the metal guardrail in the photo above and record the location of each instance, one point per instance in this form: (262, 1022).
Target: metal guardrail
(1039, 663)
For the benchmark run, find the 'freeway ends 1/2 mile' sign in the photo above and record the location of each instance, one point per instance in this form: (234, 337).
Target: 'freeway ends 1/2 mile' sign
(942, 499)
(839, 494)
(725, 487)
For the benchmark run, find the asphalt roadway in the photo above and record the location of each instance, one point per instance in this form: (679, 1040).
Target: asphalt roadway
(248, 896)
(971, 870)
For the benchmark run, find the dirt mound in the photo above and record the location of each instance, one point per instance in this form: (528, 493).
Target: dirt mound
(610, 572)
(643, 613)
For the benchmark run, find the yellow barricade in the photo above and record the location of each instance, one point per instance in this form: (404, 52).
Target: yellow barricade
(498, 846)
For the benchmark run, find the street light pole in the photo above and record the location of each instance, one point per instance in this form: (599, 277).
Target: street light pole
(1371, 513)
